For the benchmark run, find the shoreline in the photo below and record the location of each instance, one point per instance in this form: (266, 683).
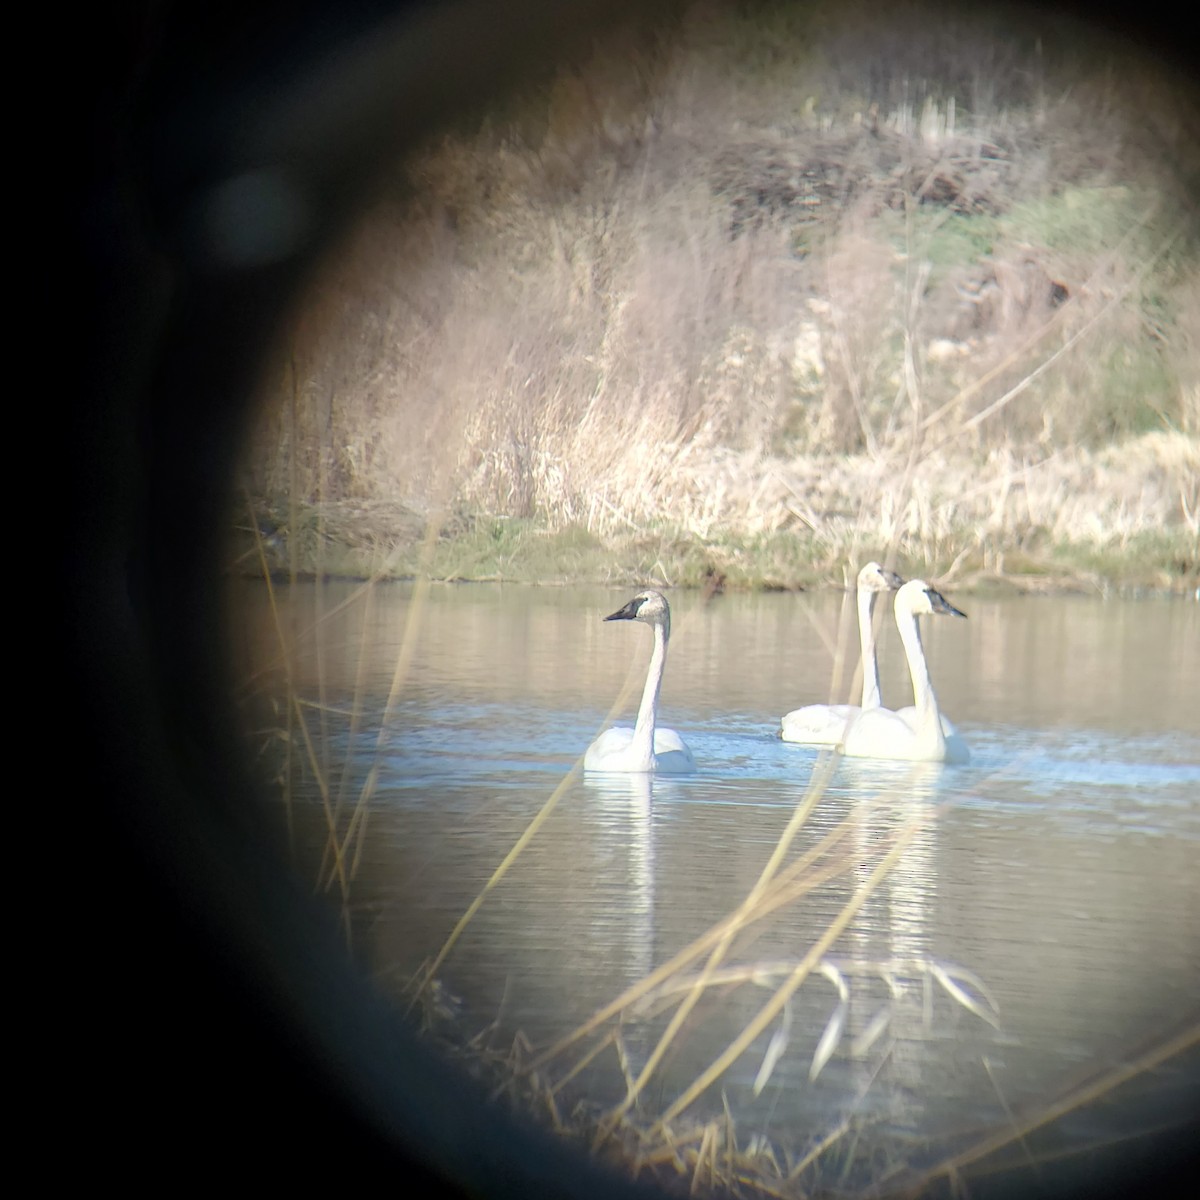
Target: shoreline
(1125, 518)
(360, 542)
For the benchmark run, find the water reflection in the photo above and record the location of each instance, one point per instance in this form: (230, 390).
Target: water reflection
(618, 811)
(896, 934)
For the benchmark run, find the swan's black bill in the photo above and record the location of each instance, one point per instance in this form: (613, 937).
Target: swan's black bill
(629, 612)
(940, 604)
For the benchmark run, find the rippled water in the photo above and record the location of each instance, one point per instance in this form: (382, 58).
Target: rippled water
(1055, 874)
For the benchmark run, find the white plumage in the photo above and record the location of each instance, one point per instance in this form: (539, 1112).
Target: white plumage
(916, 733)
(647, 746)
(825, 724)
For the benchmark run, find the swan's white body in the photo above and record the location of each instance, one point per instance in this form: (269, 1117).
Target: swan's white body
(956, 748)
(825, 724)
(914, 734)
(647, 746)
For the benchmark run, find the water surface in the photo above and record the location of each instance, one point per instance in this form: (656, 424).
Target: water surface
(1057, 870)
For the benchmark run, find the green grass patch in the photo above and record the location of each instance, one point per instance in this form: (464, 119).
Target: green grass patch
(1084, 221)
(947, 240)
(487, 548)
(1164, 559)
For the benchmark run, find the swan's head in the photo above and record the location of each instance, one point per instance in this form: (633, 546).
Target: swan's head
(648, 606)
(874, 578)
(918, 598)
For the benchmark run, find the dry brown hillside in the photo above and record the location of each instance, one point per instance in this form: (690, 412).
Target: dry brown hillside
(760, 271)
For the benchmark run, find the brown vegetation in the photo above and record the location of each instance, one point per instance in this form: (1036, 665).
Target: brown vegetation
(930, 282)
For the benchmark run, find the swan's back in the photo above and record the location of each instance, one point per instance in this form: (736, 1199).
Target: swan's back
(818, 724)
(882, 733)
(613, 750)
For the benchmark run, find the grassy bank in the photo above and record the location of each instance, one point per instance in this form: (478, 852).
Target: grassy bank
(1083, 521)
(752, 290)
(490, 549)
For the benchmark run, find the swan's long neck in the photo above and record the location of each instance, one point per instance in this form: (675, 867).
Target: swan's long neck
(643, 731)
(866, 640)
(928, 725)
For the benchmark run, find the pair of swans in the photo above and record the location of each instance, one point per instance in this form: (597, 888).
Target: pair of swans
(824, 724)
(916, 733)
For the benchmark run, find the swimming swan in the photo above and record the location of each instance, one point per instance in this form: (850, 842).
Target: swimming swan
(825, 724)
(646, 747)
(881, 733)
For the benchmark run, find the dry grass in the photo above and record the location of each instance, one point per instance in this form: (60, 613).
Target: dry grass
(745, 274)
(1121, 515)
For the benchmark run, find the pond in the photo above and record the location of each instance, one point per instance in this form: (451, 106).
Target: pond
(1035, 930)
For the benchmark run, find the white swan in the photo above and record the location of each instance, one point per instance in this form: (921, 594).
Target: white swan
(646, 747)
(825, 724)
(919, 737)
